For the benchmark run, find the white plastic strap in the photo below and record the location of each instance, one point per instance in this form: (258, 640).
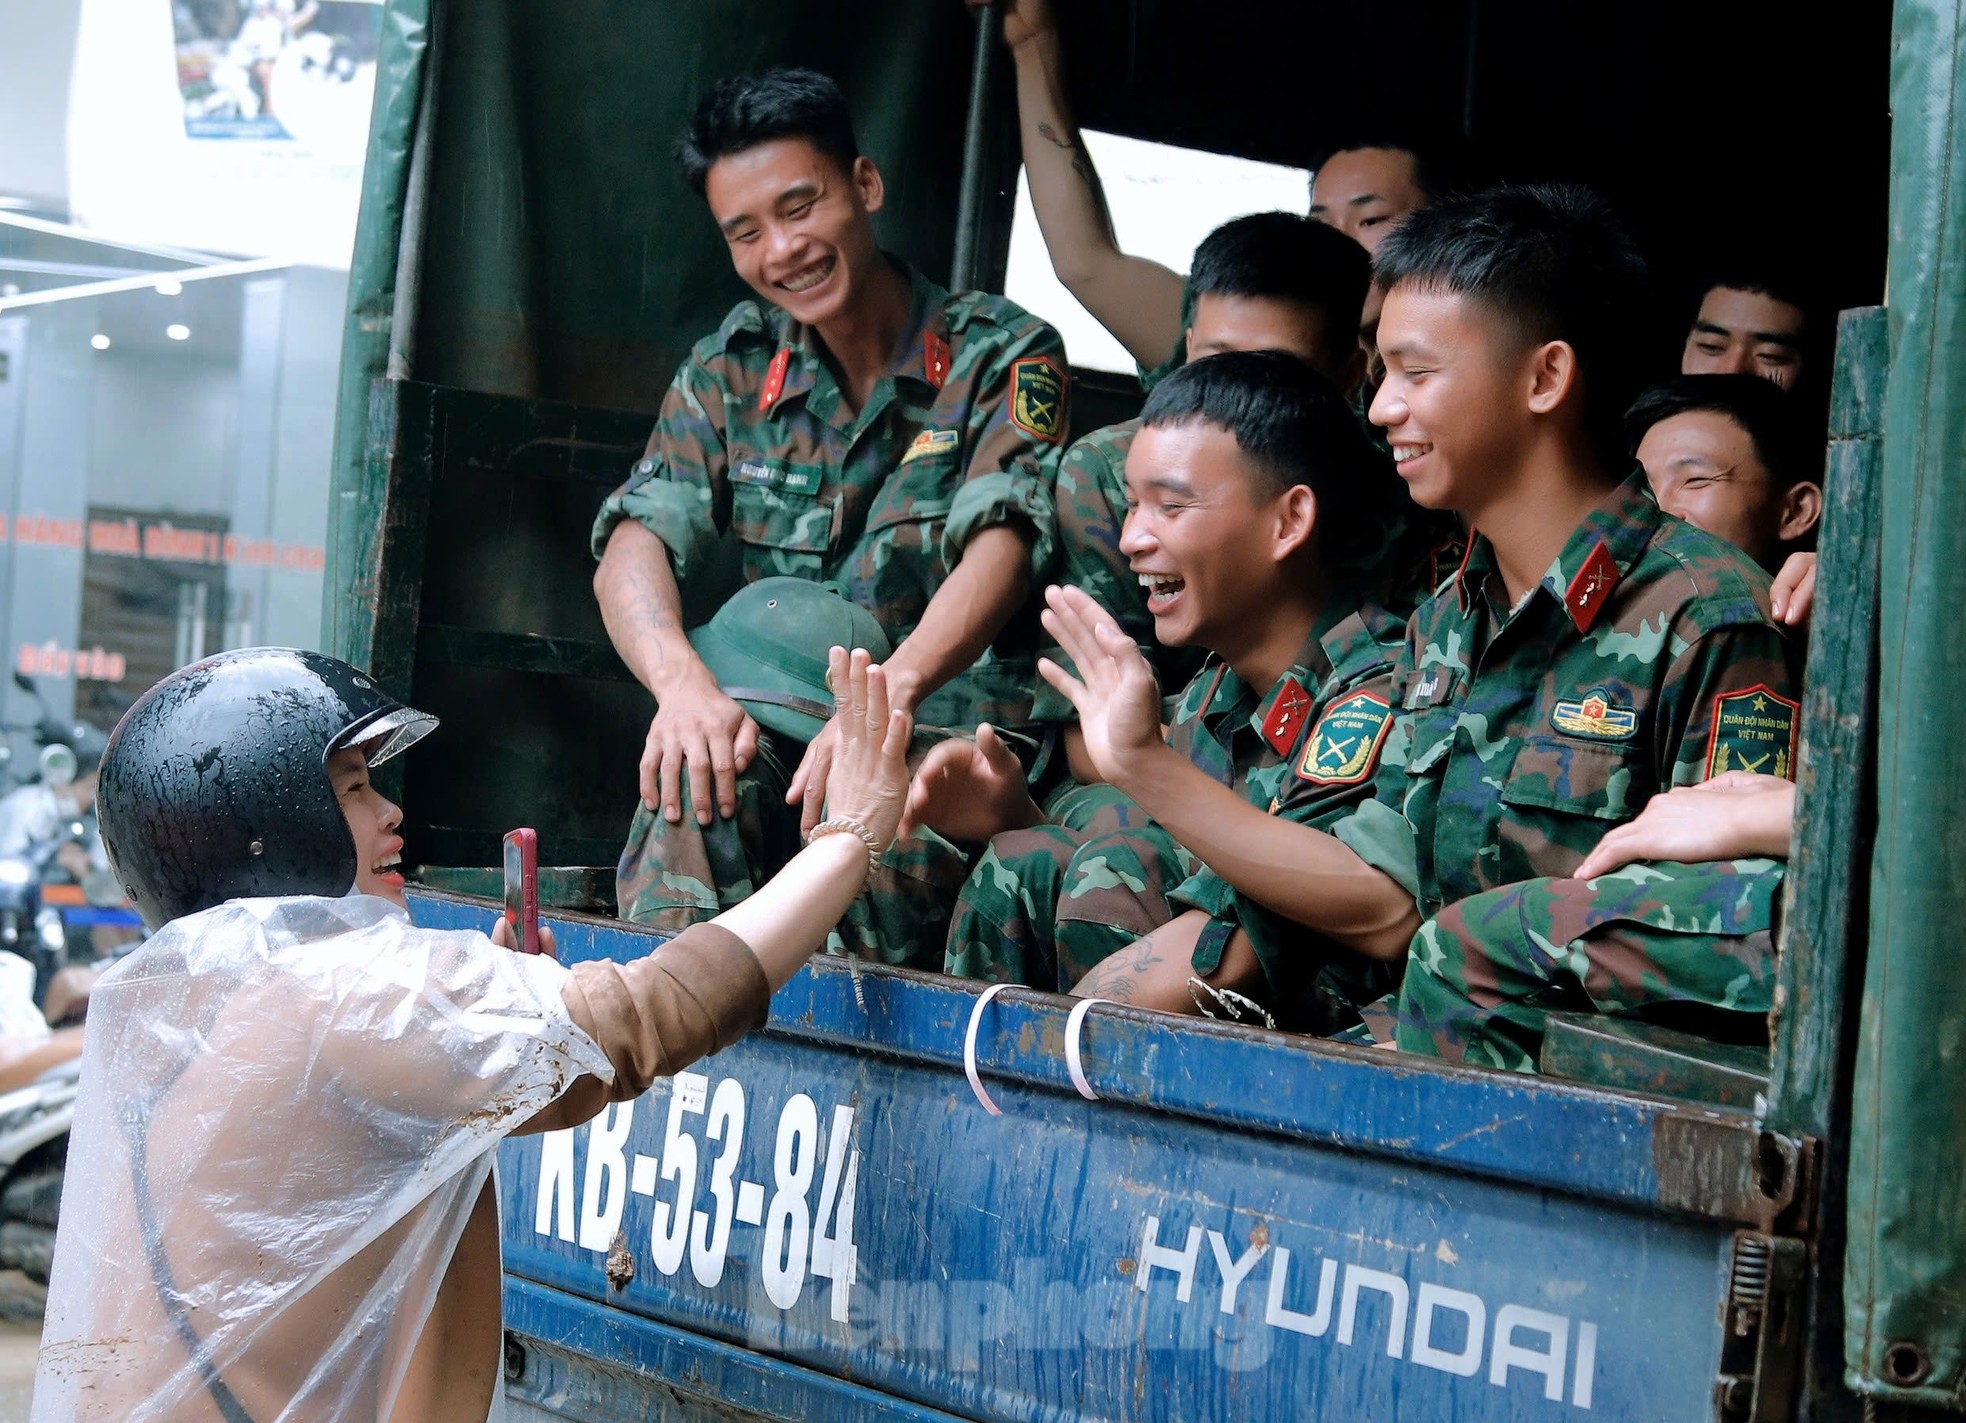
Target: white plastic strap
(1074, 1026)
(969, 1049)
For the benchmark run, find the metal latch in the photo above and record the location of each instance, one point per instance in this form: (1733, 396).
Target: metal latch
(1761, 1343)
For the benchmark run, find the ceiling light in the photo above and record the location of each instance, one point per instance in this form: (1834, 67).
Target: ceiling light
(168, 287)
(177, 331)
(99, 341)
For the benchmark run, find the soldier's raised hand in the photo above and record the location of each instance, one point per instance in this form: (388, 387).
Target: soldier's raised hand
(970, 790)
(700, 733)
(1023, 20)
(1115, 694)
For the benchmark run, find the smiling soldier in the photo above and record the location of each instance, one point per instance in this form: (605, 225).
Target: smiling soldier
(853, 425)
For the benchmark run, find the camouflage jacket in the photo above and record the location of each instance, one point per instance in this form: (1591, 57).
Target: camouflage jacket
(1644, 659)
(1330, 749)
(756, 440)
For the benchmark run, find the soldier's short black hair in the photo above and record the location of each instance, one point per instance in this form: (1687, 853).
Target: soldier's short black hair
(1440, 163)
(1766, 273)
(1294, 426)
(1554, 261)
(1284, 256)
(743, 112)
(1772, 418)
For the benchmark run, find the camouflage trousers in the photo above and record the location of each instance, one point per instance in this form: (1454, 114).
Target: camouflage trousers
(672, 876)
(1675, 943)
(1045, 906)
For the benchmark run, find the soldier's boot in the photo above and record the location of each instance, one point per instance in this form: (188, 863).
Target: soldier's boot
(1003, 929)
(1688, 945)
(1116, 890)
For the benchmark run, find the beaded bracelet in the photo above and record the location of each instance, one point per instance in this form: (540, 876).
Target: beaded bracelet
(847, 825)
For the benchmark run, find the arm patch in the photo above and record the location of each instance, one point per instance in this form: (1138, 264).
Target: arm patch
(1343, 748)
(1037, 397)
(1754, 731)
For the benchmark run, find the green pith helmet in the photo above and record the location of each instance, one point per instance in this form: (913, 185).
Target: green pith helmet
(767, 647)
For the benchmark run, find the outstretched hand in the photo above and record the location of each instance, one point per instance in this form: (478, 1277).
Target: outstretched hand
(867, 770)
(1115, 694)
(1023, 20)
(1733, 816)
(970, 790)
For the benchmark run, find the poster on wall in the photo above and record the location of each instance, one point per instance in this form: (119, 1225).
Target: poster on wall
(277, 70)
(232, 127)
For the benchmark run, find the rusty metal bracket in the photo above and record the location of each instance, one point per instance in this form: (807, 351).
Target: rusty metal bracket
(1785, 1181)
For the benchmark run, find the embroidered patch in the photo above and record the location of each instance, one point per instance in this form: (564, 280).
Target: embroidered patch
(774, 385)
(1594, 717)
(1344, 745)
(1754, 731)
(932, 442)
(1037, 398)
(766, 475)
(1591, 586)
(1286, 714)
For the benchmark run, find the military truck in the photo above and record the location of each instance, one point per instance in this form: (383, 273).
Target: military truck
(913, 1200)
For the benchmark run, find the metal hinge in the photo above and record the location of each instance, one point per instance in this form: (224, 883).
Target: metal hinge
(1761, 1346)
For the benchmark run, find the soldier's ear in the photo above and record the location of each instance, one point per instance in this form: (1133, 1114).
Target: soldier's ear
(1296, 520)
(1802, 506)
(1551, 376)
(867, 182)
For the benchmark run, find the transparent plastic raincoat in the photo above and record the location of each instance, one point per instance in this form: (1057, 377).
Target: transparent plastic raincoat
(289, 1110)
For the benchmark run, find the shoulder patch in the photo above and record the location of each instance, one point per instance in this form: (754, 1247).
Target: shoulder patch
(1595, 717)
(1343, 748)
(1754, 731)
(1037, 397)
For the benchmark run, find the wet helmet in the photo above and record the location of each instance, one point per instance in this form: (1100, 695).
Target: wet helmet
(215, 784)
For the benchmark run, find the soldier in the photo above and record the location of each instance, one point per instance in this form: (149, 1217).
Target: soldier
(1751, 321)
(1267, 282)
(1726, 453)
(1362, 191)
(856, 425)
(1244, 470)
(1589, 653)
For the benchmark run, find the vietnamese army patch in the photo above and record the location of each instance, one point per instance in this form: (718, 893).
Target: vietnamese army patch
(1754, 731)
(1037, 398)
(932, 442)
(1595, 717)
(1344, 745)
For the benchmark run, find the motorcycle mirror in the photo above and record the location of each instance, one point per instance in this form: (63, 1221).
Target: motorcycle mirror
(58, 766)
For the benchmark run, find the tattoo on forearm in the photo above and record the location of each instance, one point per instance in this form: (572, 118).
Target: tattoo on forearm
(1054, 137)
(1123, 978)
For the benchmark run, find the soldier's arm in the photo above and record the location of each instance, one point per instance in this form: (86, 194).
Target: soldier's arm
(991, 582)
(1137, 300)
(1302, 872)
(1729, 702)
(649, 534)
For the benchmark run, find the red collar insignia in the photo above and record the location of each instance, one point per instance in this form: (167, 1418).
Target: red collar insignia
(935, 359)
(1591, 587)
(775, 378)
(1286, 716)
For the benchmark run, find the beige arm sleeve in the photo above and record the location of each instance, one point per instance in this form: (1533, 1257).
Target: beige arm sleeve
(701, 991)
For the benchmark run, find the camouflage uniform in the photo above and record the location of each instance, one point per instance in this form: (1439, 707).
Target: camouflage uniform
(1046, 905)
(756, 441)
(1643, 659)
(1664, 940)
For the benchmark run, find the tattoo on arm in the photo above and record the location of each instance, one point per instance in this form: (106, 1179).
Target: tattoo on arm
(1054, 137)
(1120, 978)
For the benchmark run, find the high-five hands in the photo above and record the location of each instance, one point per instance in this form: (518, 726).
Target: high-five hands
(1115, 694)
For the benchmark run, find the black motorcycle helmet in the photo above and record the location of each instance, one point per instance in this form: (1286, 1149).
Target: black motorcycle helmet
(215, 784)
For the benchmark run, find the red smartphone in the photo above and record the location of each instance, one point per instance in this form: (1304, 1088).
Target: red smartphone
(522, 889)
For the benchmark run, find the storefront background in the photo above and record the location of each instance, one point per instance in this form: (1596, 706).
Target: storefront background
(178, 186)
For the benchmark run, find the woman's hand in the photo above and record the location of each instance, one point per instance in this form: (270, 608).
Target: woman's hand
(1731, 817)
(867, 779)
